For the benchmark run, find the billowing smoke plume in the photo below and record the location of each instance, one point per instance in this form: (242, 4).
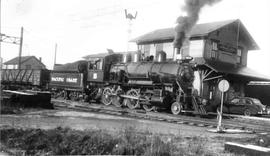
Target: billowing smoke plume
(185, 23)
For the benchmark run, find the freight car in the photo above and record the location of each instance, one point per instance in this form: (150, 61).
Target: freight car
(16, 79)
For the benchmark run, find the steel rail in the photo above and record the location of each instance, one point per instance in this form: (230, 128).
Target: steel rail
(140, 114)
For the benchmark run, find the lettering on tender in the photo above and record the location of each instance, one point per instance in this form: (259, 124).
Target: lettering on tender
(58, 79)
(72, 80)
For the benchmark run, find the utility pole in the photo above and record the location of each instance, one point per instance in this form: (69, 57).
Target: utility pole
(20, 49)
(55, 51)
(1, 60)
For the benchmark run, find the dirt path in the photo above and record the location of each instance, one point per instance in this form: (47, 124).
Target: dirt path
(83, 120)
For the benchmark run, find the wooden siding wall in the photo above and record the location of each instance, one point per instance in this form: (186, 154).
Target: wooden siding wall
(227, 36)
(34, 63)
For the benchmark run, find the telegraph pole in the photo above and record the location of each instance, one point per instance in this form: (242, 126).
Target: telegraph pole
(55, 51)
(20, 49)
(1, 60)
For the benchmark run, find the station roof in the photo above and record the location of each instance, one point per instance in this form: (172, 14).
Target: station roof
(238, 72)
(199, 30)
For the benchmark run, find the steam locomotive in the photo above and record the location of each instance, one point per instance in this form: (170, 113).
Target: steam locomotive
(125, 80)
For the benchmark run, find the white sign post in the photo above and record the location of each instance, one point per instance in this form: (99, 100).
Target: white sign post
(223, 86)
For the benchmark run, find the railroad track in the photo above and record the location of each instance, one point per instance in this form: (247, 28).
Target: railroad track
(234, 123)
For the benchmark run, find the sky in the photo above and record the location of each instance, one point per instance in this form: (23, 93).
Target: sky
(83, 27)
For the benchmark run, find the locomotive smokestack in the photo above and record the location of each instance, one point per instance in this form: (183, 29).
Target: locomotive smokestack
(185, 23)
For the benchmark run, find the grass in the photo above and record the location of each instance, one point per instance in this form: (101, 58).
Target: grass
(65, 141)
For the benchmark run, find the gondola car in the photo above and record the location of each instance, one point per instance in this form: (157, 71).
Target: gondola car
(16, 79)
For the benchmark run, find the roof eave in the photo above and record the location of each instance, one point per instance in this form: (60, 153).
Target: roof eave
(170, 39)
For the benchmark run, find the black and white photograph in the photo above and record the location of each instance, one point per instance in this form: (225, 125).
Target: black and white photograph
(135, 77)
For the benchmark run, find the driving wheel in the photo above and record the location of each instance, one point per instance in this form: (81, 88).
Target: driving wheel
(132, 102)
(106, 96)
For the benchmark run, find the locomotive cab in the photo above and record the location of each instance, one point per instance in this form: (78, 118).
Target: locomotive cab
(99, 65)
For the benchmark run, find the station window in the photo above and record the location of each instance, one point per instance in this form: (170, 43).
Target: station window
(213, 54)
(214, 45)
(239, 54)
(214, 49)
(196, 48)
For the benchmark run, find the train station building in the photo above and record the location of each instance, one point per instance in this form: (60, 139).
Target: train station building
(219, 50)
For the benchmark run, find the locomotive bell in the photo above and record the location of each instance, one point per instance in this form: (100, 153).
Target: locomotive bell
(161, 56)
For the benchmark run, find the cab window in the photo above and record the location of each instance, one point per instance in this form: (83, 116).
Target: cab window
(99, 64)
(92, 66)
(96, 65)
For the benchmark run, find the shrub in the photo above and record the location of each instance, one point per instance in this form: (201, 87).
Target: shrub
(65, 141)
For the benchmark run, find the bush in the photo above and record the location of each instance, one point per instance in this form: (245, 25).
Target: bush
(64, 141)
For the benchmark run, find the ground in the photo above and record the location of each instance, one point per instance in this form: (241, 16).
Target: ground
(49, 119)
